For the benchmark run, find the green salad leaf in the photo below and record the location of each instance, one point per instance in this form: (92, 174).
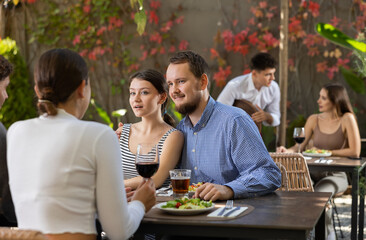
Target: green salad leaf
(186, 203)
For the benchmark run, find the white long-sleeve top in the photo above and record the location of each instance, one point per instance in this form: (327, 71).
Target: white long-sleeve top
(63, 172)
(242, 87)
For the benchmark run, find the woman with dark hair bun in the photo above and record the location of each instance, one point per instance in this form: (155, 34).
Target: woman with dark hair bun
(65, 172)
(148, 100)
(334, 128)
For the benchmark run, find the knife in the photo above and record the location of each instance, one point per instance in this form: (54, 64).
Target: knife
(231, 211)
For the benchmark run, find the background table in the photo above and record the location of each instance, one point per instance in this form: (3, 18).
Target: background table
(357, 169)
(289, 215)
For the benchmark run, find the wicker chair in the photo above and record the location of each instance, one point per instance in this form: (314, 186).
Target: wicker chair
(249, 108)
(284, 180)
(20, 234)
(298, 177)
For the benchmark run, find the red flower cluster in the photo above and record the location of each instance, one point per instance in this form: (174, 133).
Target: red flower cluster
(221, 76)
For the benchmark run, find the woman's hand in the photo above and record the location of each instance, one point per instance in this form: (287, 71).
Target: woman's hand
(281, 149)
(119, 130)
(145, 193)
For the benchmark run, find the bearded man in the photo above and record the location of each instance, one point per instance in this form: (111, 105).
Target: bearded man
(222, 147)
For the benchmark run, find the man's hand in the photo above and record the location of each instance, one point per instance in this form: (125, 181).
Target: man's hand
(129, 193)
(261, 116)
(119, 130)
(210, 191)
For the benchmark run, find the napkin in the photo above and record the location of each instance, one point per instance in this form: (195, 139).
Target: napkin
(326, 161)
(164, 192)
(234, 214)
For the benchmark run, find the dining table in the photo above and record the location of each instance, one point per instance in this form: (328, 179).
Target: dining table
(356, 168)
(281, 214)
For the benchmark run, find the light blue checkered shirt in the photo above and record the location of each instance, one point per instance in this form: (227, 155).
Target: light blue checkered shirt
(225, 148)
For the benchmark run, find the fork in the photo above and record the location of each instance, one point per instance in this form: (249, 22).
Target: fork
(229, 205)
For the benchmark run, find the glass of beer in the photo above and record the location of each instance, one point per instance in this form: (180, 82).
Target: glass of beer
(180, 182)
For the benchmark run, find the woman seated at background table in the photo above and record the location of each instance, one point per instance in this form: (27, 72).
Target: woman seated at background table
(148, 100)
(334, 128)
(64, 171)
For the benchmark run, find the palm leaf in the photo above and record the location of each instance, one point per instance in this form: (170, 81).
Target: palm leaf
(336, 36)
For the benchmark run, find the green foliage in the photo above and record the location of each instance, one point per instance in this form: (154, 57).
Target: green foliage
(336, 36)
(140, 16)
(140, 20)
(119, 114)
(298, 122)
(103, 114)
(361, 56)
(362, 186)
(20, 104)
(354, 81)
(269, 137)
(359, 50)
(171, 111)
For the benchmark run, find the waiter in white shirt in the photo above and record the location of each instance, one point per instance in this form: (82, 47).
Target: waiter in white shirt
(258, 88)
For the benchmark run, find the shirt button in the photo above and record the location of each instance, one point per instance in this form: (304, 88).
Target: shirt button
(193, 150)
(195, 133)
(195, 168)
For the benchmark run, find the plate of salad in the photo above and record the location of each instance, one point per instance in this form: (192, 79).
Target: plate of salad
(317, 153)
(185, 206)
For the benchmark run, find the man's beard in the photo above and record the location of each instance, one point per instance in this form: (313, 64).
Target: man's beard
(189, 107)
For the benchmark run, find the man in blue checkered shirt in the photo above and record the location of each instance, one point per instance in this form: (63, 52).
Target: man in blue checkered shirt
(223, 147)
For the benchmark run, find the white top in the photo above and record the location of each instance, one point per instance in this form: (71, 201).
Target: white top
(64, 171)
(242, 87)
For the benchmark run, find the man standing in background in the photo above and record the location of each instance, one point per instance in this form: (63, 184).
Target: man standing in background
(258, 88)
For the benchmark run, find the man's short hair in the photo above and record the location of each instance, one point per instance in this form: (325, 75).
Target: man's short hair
(5, 68)
(262, 61)
(197, 64)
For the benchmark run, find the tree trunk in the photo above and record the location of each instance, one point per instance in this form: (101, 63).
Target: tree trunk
(283, 68)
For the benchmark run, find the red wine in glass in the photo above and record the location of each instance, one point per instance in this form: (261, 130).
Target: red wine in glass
(299, 136)
(147, 160)
(299, 140)
(147, 169)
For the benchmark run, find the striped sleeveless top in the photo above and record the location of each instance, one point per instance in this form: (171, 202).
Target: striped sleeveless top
(128, 158)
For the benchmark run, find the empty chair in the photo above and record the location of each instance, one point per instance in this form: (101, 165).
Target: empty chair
(20, 234)
(297, 171)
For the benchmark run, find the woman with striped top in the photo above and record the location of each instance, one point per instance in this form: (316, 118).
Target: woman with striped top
(148, 100)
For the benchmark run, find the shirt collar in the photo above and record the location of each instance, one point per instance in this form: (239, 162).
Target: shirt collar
(251, 86)
(204, 117)
(61, 113)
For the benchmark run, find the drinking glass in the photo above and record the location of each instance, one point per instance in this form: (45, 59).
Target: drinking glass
(180, 182)
(299, 136)
(147, 160)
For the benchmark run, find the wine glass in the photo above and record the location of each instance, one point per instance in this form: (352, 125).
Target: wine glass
(147, 160)
(299, 136)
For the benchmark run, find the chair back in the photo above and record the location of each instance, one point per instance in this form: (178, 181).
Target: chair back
(284, 179)
(249, 108)
(298, 176)
(20, 234)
